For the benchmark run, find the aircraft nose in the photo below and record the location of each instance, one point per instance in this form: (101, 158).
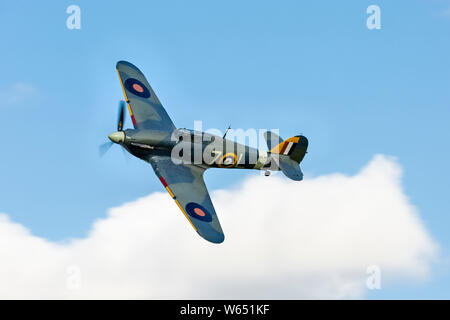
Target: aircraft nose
(117, 137)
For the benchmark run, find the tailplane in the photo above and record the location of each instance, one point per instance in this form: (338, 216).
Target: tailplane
(290, 168)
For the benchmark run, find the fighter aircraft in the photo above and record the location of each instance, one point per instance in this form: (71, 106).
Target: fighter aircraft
(180, 157)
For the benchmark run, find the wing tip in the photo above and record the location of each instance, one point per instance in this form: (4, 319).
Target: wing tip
(125, 63)
(214, 237)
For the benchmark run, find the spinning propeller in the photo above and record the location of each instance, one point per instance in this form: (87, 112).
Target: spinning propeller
(118, 136)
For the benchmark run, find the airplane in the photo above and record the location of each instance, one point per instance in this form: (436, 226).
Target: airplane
(180, 156)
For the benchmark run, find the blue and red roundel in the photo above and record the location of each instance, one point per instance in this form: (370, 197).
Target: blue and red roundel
(198, 212)
(137, 88)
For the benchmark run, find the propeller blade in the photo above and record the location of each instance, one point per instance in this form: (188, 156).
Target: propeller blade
(126, 155)
(121, 115)
(103, 148)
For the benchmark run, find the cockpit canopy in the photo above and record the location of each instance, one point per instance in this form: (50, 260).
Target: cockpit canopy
(184, 134)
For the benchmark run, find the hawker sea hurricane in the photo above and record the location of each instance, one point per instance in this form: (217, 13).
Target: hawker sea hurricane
(179, 157)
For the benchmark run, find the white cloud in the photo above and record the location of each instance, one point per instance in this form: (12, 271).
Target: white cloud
(17, 93)
(284, 239)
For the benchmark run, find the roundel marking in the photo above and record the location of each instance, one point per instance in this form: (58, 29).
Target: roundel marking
(199, 212)
(137, 88)
(228, 160)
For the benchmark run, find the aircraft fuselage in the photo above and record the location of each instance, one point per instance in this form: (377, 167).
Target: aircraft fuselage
(197, 148)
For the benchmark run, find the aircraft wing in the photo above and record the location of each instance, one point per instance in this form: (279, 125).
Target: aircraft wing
(145, 109)
(186, 186)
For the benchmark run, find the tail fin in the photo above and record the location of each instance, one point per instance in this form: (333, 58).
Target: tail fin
(294, 147)
(272, 139)
(291, 153)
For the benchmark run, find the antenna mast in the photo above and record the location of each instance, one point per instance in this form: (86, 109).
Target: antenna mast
(226, 131)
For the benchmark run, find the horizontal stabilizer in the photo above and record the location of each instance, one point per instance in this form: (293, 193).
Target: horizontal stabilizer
(290, 168)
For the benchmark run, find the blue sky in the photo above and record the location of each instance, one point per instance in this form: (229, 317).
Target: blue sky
(311, 68)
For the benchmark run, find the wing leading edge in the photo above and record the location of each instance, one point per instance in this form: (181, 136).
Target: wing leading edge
(186, 186)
